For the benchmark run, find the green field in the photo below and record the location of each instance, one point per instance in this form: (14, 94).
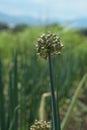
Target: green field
(24, 77)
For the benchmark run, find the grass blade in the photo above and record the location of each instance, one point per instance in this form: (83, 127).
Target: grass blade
(2, 101)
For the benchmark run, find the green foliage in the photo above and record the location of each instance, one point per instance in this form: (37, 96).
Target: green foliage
(73, 103)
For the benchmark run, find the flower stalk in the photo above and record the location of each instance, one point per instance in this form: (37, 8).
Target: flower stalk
(48, 45)
(55, 113)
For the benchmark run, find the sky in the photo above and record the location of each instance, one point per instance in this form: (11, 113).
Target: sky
(62, 9)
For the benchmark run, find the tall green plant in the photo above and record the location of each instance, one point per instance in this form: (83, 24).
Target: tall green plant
(2, 101)
(15, 86)
(48, 45)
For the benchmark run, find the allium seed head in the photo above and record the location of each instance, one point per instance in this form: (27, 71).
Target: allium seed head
(40, 125)
(48, 43)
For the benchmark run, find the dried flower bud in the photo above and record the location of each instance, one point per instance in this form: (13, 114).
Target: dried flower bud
(48, 43)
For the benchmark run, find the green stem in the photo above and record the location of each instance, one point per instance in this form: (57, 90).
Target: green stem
(2, 101)
(15, 87)
(14, 117)
(56, 118)
(57, 99)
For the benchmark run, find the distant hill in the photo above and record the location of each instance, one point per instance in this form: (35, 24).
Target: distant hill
(29, 20)
(80, 23)
(18, 19)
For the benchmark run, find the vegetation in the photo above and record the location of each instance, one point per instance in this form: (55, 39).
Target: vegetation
(24, 77)
(3, 26)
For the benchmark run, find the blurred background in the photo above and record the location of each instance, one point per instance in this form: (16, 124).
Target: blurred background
(42, 12)
(24, 77)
